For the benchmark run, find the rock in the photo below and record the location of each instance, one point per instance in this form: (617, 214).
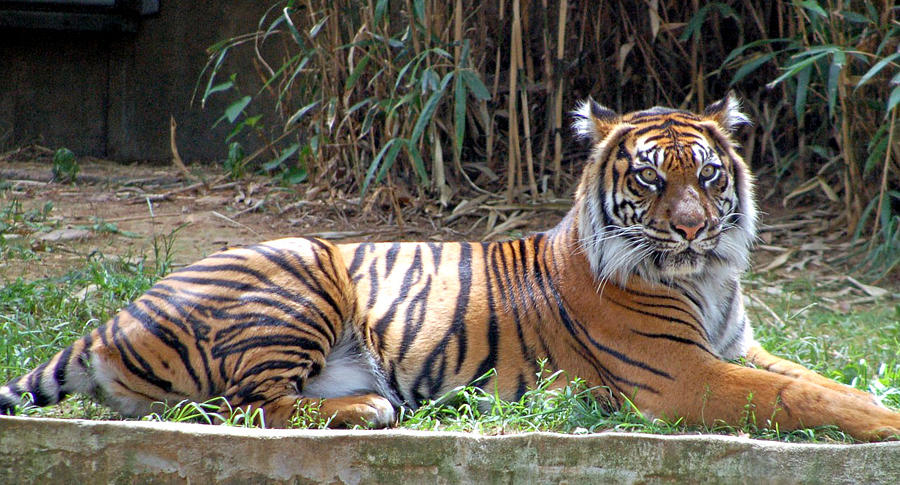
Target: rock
(36, 450)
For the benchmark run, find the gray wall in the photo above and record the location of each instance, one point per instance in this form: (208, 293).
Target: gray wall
(111, 94)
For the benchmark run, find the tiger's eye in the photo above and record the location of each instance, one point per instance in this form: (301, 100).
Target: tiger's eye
(708, 171)
(648, 176)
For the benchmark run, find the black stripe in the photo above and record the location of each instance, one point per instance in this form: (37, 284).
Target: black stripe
(391, 257)
(133, 361)
(414, 319)
(270, 364)
(411, 277)
(575, 328)
(657, 315)
(41, 398)
(373, 284)
(306, 281)
(436, 252)
(165, 335)
(221, 350)
(667, 124)
(493, 334)
(358, 256)
(673, 338)
(60, 372)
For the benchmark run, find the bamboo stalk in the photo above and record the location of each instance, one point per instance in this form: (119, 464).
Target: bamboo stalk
(884, 177)
(557, 118)
(511, 103)
(457, 55)
(526, 116)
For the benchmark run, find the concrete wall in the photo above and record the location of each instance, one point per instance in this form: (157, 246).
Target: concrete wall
(86, 452)
(111, 94)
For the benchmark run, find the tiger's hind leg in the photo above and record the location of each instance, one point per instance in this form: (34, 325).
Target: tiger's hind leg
(295, 345)
(342, 387)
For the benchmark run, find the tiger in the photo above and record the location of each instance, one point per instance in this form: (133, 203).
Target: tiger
(636, 291)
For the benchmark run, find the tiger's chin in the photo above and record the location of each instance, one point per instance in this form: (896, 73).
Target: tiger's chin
(682, 264)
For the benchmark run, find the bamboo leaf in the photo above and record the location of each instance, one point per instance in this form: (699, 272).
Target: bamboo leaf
(877, 68)
(356, 72)
(276, 162)
(300, 113)
(814, 7)
(794, 69)
(752, 45)
(751, 66)
(893, 99)
(370, 172)
(802, 91)
(295, 34)
(380, 8)
(473, 82)
(694, 24)
(459, 112)
(314, 31)
(426, 114)
(418, 163)
(389, 160)
(219, 87)
(834, 75)
(419, 10)
(856, 18)
(877, 148)
(234, 110)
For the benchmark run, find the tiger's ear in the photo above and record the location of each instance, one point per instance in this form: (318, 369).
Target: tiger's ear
(727, 113)
(593, 121)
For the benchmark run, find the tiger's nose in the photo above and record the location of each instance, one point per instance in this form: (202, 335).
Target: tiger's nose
(689, 230)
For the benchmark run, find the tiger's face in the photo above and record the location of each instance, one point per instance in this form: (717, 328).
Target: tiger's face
(665, 195)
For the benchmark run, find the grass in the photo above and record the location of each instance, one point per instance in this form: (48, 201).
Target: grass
(796, 319)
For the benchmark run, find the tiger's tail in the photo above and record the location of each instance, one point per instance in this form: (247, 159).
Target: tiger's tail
(67, 372)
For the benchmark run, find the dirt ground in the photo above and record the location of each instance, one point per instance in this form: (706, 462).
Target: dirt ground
(123, 210)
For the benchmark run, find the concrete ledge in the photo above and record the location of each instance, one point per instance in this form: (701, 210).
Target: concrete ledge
(34, 450)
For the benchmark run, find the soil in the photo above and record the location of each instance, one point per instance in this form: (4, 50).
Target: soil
(123, 210)
(117, 210)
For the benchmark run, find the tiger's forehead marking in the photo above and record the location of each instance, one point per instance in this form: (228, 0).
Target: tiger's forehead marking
(672, 151)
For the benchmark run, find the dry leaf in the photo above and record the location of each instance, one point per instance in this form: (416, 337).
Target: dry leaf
(779, 261)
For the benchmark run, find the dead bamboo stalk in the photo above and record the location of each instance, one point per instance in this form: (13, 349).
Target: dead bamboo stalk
(526, 117)
(511, 103)
(557, 114)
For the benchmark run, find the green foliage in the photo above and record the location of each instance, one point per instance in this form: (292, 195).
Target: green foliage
(840, 76)
(17, 224)
(214, 411)
(65, 166)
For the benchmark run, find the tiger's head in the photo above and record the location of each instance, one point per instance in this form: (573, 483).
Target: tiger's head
(664, 195)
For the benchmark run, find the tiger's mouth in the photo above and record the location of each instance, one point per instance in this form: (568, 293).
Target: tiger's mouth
(679, 263)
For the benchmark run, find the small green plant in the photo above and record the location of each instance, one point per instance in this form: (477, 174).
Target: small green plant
(18, 225)
(554, 404)
(308, 415)
(188, 411)
(65, 166)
